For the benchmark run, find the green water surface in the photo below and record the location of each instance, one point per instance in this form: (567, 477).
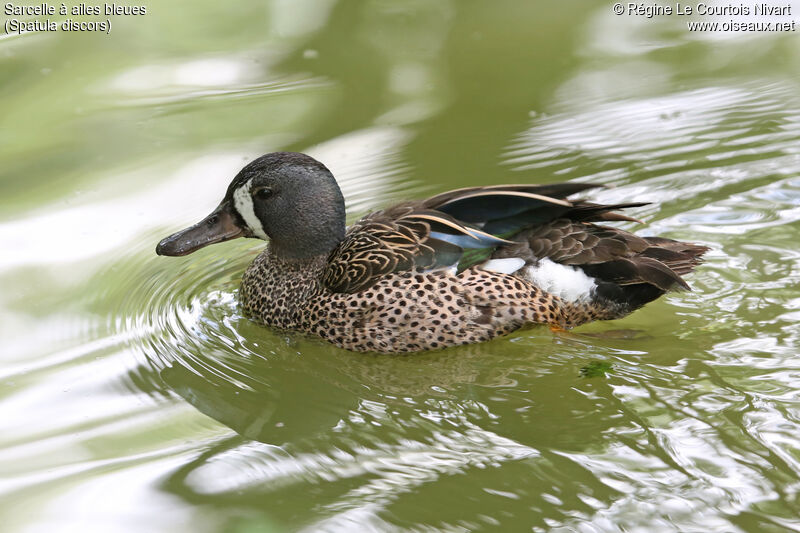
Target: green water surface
(135, 397)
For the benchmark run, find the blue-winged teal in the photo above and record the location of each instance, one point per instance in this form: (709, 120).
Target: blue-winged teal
(461, 267)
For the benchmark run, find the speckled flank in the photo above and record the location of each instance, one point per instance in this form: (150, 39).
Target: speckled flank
(404, 312)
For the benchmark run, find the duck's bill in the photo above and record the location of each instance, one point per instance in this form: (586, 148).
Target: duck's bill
(219, 226)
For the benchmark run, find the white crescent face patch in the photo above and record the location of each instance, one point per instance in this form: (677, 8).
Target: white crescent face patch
(243, 203)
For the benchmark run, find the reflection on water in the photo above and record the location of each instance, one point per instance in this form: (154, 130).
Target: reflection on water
(136, 381)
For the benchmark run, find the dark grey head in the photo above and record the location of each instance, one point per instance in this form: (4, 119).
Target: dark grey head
(289, 198)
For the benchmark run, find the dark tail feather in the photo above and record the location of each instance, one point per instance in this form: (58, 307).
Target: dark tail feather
(637, 270)
(659, 269)
(628, 298)
(584, 211)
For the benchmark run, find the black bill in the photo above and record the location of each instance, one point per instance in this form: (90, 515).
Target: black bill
(221, 225)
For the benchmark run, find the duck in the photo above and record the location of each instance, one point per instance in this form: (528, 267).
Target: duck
(461, 267)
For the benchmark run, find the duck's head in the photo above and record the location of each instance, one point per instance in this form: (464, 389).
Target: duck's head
(289, 198)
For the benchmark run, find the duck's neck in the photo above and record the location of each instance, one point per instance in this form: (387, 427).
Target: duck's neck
(290, 261)
(300, 250)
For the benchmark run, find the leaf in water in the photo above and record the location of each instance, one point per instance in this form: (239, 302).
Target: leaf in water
(596, 369)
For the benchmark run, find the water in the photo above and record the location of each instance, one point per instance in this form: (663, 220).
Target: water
(134, 396)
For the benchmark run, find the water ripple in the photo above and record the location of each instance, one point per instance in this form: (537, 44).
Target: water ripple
(674, 419)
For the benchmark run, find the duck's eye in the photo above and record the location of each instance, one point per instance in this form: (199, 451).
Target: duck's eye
(263, 193)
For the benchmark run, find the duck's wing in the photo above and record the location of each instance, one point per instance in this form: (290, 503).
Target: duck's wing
(456, 229)
(606, 253)
(401, 238)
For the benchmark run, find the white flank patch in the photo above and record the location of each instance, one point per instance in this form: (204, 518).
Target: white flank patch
(243, 203)
(503, 266)
(566, 282)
